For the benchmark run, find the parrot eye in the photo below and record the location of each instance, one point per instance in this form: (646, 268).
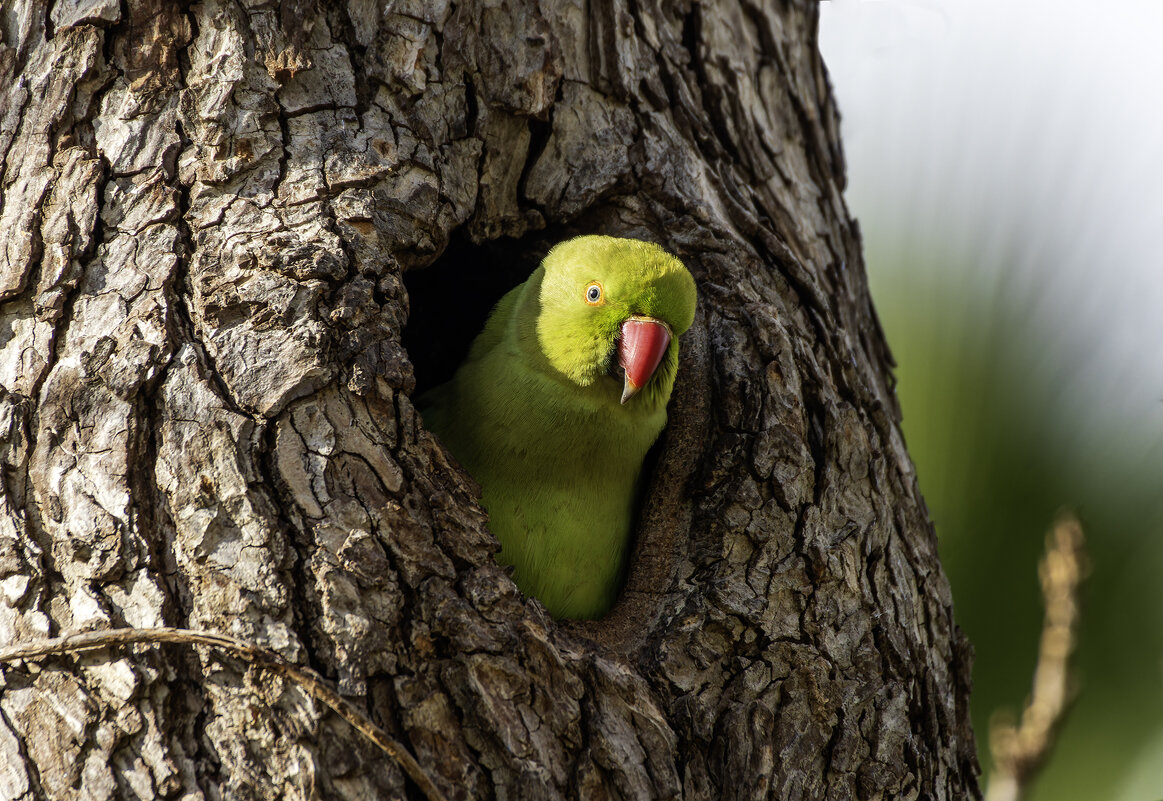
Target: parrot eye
(594, 293)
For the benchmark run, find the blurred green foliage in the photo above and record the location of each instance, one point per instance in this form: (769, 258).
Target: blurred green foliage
(981, 390)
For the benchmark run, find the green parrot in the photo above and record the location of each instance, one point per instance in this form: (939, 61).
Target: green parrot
(552, 412)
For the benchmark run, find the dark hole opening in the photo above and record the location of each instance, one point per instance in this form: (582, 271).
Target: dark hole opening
(451, 298)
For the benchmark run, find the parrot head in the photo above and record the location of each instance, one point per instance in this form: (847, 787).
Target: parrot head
(614, 308)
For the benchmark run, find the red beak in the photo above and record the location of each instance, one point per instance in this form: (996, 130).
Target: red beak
(640, 350)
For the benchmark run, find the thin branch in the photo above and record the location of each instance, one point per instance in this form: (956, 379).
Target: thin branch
(1020, 751)
(306, 678)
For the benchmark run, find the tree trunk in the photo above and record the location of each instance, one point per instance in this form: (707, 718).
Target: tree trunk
(206, 418)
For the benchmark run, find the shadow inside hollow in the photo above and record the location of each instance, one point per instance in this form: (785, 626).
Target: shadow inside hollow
(450, 299)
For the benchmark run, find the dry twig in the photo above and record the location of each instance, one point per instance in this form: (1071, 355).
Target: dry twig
(306, 678)
(1020, 750)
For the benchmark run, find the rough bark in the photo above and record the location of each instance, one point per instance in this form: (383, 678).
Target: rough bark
(206, 417)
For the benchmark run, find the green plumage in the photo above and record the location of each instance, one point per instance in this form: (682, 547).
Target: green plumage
(535, 414)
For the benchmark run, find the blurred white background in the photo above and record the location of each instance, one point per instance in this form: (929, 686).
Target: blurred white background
(1005, 162)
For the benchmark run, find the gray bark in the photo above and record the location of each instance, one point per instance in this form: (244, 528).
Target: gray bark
(206, 416)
